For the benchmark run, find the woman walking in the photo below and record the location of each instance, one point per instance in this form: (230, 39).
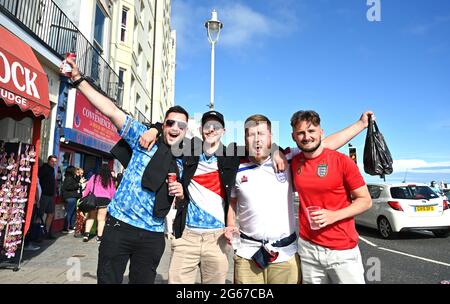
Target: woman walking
(71, 193)
(80, 216)
(102, 186)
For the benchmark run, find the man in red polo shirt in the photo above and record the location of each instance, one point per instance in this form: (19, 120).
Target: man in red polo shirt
(331, 180)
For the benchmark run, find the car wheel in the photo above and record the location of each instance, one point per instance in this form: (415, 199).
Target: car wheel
(441, 233)
(385, 228)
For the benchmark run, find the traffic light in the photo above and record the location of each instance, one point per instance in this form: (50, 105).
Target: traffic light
(352, 154)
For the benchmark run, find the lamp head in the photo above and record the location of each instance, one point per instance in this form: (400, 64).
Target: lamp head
(213, 27)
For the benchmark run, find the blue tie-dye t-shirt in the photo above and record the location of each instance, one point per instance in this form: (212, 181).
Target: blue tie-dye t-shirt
(133, 204)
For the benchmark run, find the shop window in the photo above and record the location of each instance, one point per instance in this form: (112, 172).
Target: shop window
(63, 163)
(16, 130)
(44, 149)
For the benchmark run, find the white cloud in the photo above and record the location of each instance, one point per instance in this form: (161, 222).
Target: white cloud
(412, 166)
(425, 28)
(421, 166)
(243, 25)
(246, 26)
(183, 20)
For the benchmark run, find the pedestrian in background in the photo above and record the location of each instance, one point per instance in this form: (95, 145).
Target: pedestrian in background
(47, 181)
(119, 179)
(70, 193)
(102, 186)
(29, 246)
(435, 186)
(80, 218)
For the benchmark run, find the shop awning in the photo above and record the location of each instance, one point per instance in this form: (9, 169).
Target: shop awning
(23, 82)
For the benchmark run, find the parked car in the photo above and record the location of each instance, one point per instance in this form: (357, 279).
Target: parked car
(402, 207)
(447, 193)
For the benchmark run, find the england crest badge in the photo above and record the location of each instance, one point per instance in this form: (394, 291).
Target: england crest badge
(322, 170)
(281, 176)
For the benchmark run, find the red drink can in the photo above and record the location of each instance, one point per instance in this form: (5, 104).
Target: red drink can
(67, 68)
(171, 177)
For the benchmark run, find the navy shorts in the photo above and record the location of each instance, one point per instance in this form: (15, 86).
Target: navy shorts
(47, 205)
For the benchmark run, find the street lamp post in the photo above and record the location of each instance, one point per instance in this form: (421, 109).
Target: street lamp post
(213, 27)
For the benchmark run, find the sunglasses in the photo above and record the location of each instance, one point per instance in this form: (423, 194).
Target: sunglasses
(216, 126)
(170, 123)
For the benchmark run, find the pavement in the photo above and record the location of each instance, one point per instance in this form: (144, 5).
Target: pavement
(69, 260)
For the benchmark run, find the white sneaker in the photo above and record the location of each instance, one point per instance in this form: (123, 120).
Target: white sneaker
(31, 247)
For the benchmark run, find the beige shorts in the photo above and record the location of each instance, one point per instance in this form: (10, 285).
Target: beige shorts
(246, 272)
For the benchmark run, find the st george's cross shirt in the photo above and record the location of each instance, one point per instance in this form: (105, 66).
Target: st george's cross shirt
(206, 195)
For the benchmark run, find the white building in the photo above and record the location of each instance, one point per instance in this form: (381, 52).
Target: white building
(143, 55)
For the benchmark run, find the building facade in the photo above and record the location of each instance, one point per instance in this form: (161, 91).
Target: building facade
(73, 131)
(143, 55)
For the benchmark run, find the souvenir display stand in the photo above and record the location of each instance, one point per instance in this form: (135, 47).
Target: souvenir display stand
(18, 178)
(23, 94)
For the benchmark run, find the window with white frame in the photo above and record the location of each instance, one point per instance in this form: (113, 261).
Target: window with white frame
(123, 24)
(99, 26)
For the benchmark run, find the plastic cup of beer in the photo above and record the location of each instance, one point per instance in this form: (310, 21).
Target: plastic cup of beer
(235, 240)
(311, 209)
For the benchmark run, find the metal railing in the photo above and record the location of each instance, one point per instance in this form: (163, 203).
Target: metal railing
(141, 117)
(44, 20)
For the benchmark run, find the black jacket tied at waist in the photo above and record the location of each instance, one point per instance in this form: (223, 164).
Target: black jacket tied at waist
(263, 257)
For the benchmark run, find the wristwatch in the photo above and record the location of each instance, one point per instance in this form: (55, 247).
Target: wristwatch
(77, 82)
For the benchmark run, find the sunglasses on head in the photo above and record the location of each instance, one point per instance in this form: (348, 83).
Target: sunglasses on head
(181, 124)
(216, 126)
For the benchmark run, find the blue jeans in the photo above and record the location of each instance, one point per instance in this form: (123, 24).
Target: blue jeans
(71, 206)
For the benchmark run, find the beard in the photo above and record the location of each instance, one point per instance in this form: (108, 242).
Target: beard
(312, 149)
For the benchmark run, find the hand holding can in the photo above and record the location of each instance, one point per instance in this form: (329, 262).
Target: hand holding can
(171, 178)
(67, 68)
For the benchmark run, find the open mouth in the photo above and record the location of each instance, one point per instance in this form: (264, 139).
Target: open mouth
(173, 135)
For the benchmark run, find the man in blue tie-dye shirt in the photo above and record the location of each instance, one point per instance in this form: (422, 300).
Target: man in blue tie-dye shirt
(133, 232)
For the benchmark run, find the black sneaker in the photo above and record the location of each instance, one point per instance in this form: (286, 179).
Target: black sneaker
(86, 237)
(99, 239)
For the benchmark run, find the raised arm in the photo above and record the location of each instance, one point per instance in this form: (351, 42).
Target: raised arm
(99, 101)
(338, 139)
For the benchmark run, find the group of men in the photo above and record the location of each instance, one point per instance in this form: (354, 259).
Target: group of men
(216, 185)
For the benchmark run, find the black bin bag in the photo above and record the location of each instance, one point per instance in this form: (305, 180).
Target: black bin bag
(377, 157)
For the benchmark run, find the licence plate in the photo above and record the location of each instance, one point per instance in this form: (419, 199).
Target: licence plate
(424, 208)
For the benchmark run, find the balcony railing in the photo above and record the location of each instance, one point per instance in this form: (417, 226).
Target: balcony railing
(141, 117)
(44, 20)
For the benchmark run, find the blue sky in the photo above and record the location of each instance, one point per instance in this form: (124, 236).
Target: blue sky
(275, 57)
